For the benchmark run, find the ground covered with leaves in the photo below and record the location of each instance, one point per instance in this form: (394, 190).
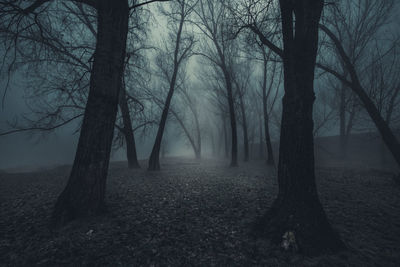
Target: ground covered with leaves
(192, 214)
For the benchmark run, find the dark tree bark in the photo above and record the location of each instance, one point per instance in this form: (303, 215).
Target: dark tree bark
(245, 130)
(131, 154)
(232, 117)
(198, 132)
(296, 219)
(154, 161)
(270, 153)
(85, 191)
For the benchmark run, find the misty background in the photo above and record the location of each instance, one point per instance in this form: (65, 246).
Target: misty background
(37, 149)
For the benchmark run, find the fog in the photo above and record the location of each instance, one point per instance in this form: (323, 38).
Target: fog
(200, 133)
(35, 149)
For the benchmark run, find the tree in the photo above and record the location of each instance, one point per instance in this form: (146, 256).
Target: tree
(85, 191)
(58, 67)
(356, 25)
(266, 96)
(213, 24)
(127, 130)
(217, 98)
(373, 16)
(262, 18)
(297, 208)
(296, 218)
(183, 42)
(193, 130)
(241, 80)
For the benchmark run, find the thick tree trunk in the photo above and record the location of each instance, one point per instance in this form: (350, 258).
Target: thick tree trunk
(85, 191)
(296, 219)
(131, 154)
(245, 133)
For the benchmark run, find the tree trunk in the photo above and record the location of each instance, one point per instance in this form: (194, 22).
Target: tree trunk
(245, 133)
(85, 192)
(232, 116)
(342, 119)
(387, 134)
(196, 150)
(225, 138)
(270, 153)
(128, 131)
(296, 219)
(154, 161)
(198, 131)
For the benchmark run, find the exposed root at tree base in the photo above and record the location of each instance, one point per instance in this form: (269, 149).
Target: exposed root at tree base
(299, 227)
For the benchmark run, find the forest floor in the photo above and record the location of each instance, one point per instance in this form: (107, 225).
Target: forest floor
(192, 214)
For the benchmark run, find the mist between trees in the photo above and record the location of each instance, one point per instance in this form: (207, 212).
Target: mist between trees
(226, 78)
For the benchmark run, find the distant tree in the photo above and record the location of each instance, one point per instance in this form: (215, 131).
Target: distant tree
(269, 96)
(169, 63)
(218, 100)
(187, 112)
(325, 109)
(369, 18)
(220, 50)
(356, 25)
(241, 79)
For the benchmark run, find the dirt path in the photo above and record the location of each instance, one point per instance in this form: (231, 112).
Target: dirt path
(189, 214)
